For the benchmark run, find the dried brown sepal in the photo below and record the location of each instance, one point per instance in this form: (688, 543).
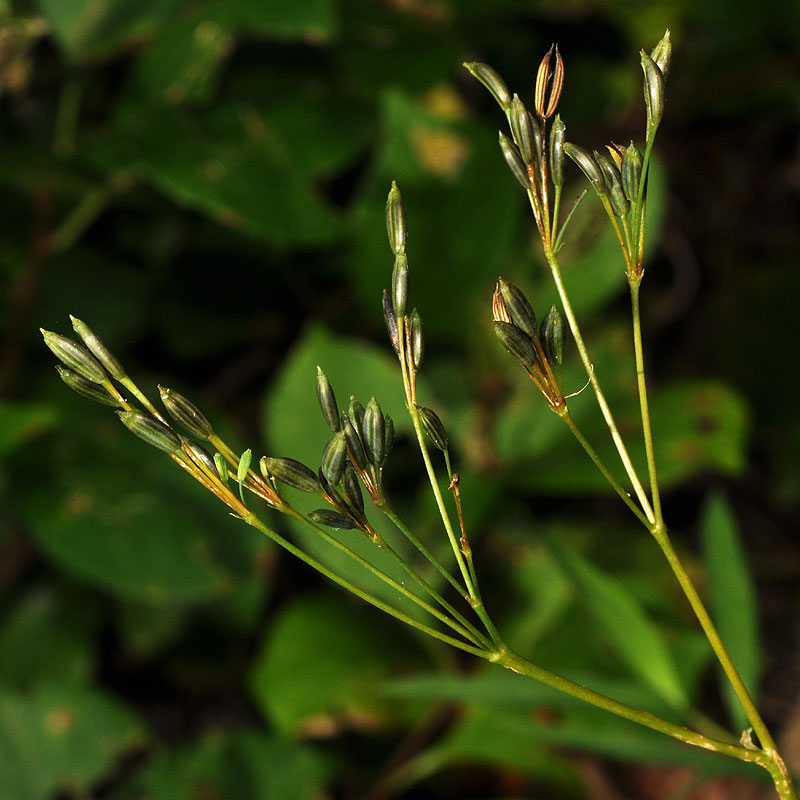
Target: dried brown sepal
(545, 103)
(616, 151)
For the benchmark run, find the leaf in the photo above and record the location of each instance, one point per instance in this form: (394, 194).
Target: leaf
(60, 736)
(733, 599)
(312, 20)
(20, 423)
(635, 638)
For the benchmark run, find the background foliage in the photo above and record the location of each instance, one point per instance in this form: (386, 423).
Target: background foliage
(203, 182)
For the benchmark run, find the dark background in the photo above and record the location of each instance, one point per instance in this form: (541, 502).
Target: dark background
(203, 183)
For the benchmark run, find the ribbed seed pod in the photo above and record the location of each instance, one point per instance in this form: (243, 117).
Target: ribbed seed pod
(186, 413)
(354, 443)
(653, 90)
(86, 388)
(151, 430)
(356, 412)
(517, 342)
(514, 161)
(417, 339)
(352, 488)
(391, 321)
(491, 79)
(522, 129)
(388, 424)
(374, 432)
(631, 172)
(199, 453)
(433, 427)
(558, 132)
(400, 285)
(662, 54)
(334, 457)
(552, 336)
(75, 356)
(613, 178)
(327, 401)
(291, 472)
(97, 348)
(396, 226)
(588, 166)
(332, 519)
(519, 310)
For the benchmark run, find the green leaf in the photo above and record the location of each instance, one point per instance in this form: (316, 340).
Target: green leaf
(21, 423)
(733, 600)
(60, 736)
(312, 20)
(637, 641)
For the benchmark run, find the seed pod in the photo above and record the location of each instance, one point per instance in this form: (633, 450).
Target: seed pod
(245, 460)
(653, 90)
(186, 413)
(199, 453)
(391, 321)
(611, 174)
(514, 161)
(86, 388)
(557, 135)
(332, 519)
(388, 424)
(552, 336)
(543, 78)
(75, 356)
(291, 472)
(352, 488)
(327, 401)
(374, 432)
(354, 444)
(222, 467)
(662, 54)
(417, 339)
(490, 78)
(334, 457)
(396, 226)
(433, 427)
(356, 412)
(519, 309)
(97, 348)
(517, 342)
(522, 129)
(588, 166)
(151, 430)
(400, 285)
(631, 172)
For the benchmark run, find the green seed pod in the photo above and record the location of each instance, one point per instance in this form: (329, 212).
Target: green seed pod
(391, 322)
(557, 134)
(291, 472)
(97, 348)
(587, 164)
(517, 342)
(356, 412)
(374, 432)
(662, 54)
(552, 336)
(522, 129)
(332, 519)
(396, 226)
(75, 356)
(631, 172)
(151, 430)
(388, 424)
(199, 453)
(490, 78)
(186, 413)
(222, 467)
(514, 161)
(611, 174)
(400, 285)
(433, 427)
(354, 444)
(519, 309)
(417, 339)
(352, 488)
(327, 401)
(86, 388)
(244, 466)
(334, 457)
(653, 90)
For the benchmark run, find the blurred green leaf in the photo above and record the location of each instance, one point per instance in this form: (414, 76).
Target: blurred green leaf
(312, 20)
(733, 599)
(60, 736)
(20, 423)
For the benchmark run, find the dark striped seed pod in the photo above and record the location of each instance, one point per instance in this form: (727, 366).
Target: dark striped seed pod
(417, 339)
(611, 174)
(86, 388)
(75, 356)
(433, 427)
(327, 401)
(356, 412)
(653, 90)
(186, 413)
(522, 129)
(354, 444)
(517, 342)
(374, 432)
(552, 336)
(491, 79)
(151, 430)
(514, 161)
(400, 285)
(332, 519)
(631, 172)
(97, 348)
(558, 133)
(334, 457)
(200, 454)
(520, 311)
(588, 166)
(291, 472)
(396, 226)
(352, 488)
(391, 321)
